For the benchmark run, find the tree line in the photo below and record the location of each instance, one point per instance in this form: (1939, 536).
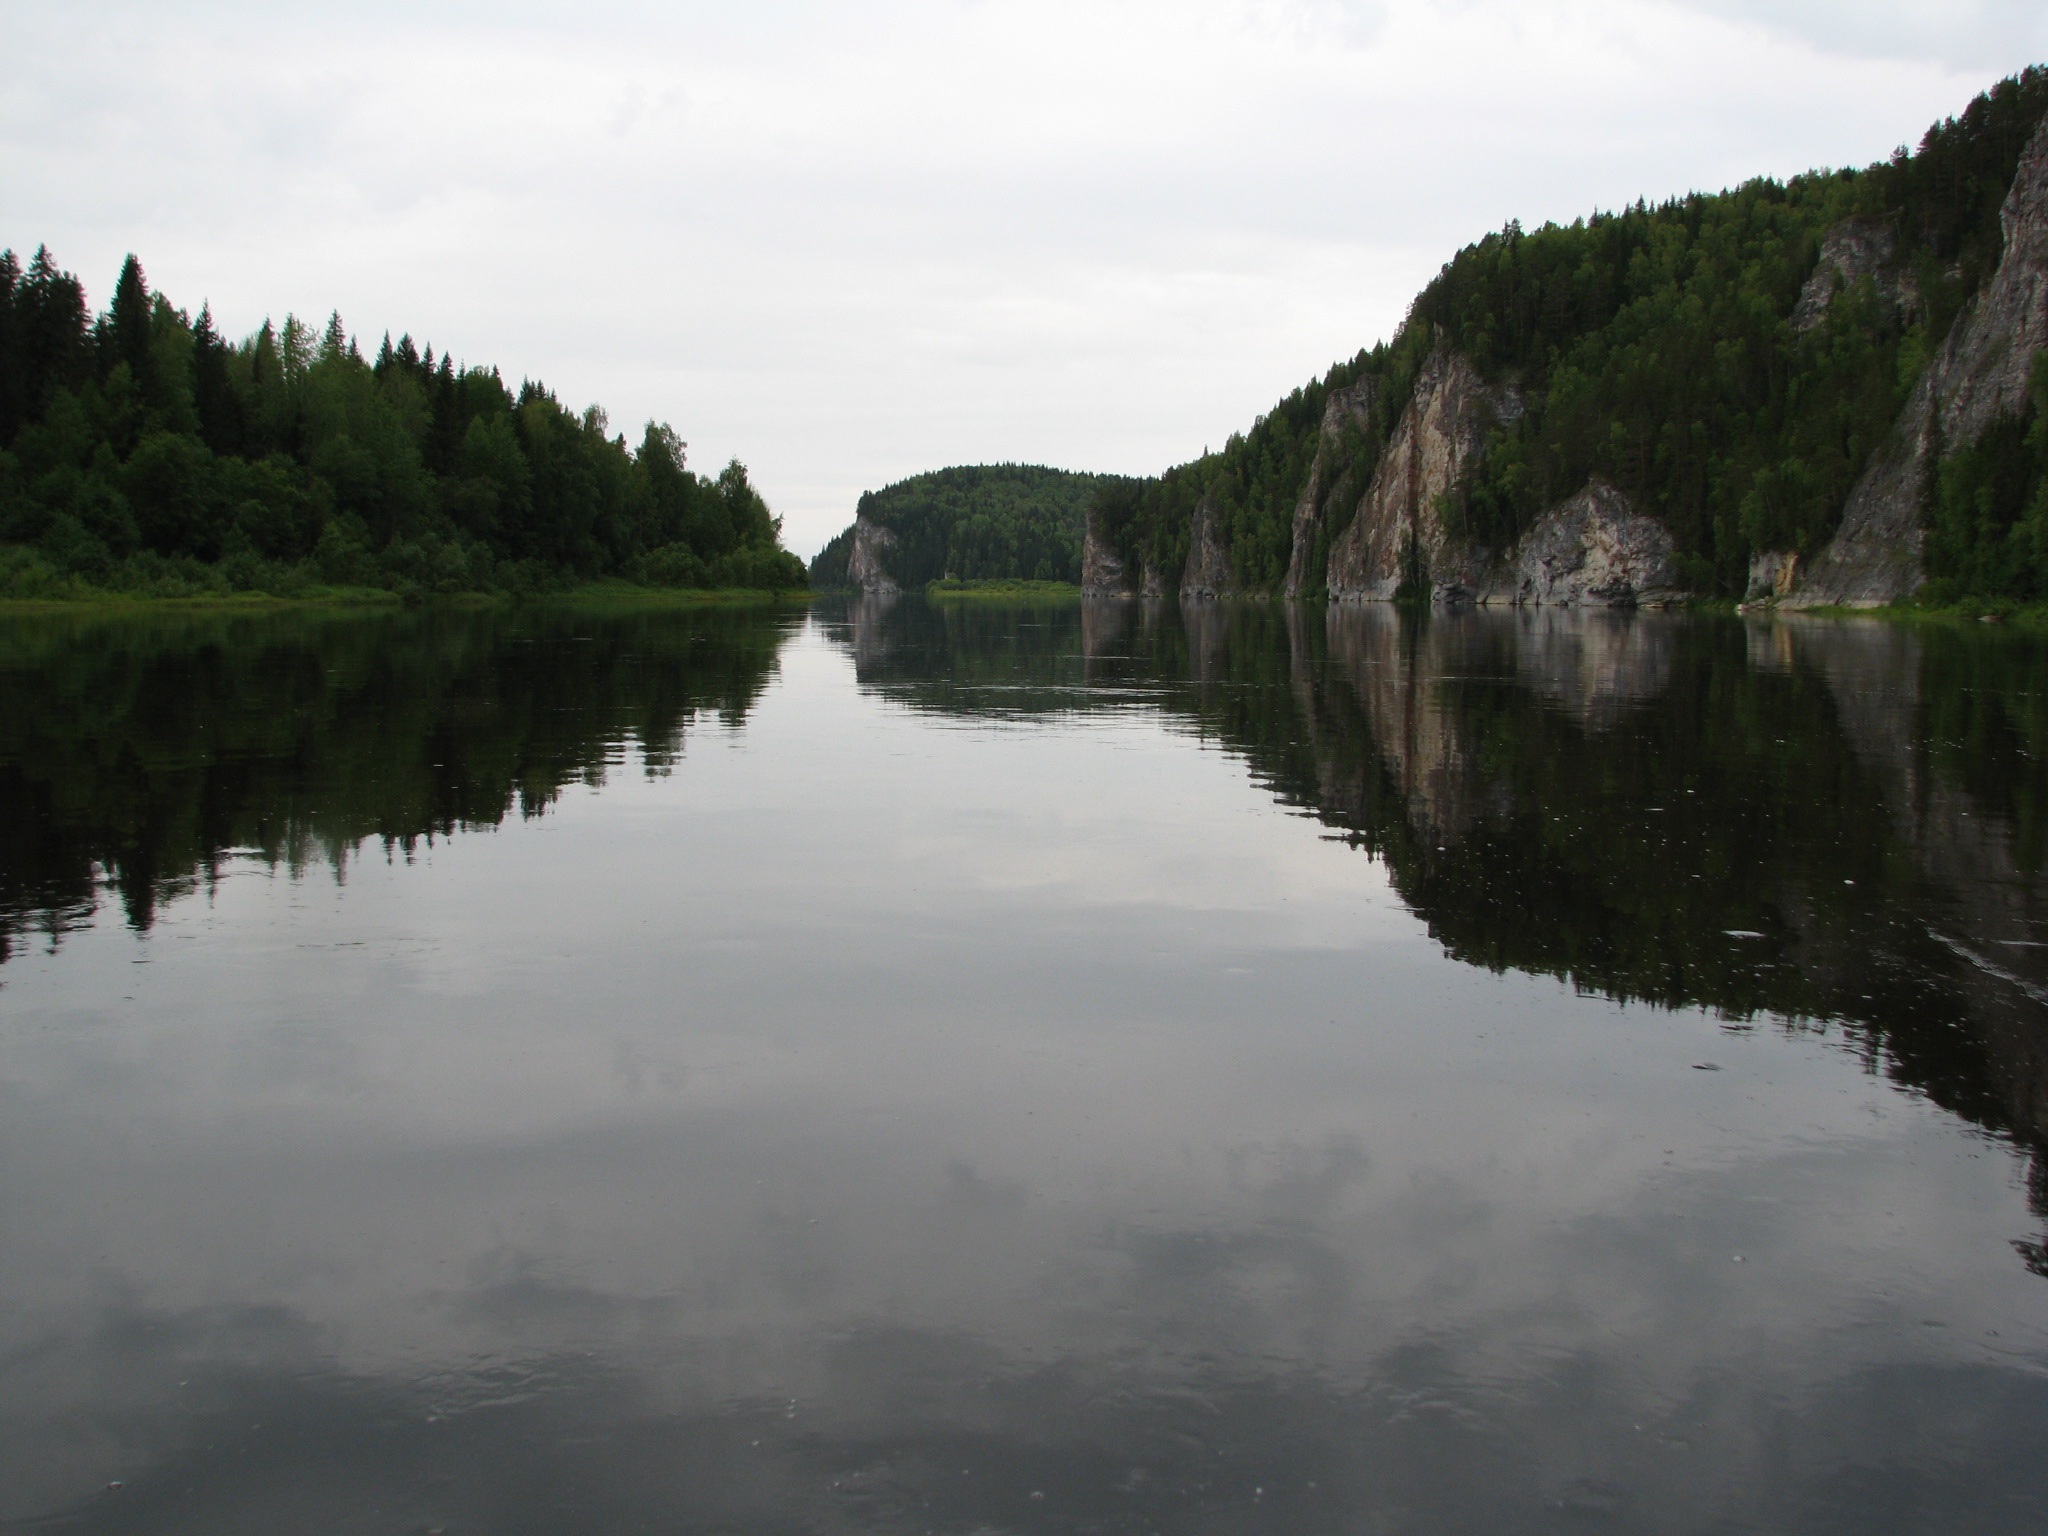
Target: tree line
(987, 522)
(141, 450)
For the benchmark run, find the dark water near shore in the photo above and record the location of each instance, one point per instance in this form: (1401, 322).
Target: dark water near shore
(1007, 1069)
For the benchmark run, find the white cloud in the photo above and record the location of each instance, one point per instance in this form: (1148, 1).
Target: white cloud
(1995, 35)
(847, 243)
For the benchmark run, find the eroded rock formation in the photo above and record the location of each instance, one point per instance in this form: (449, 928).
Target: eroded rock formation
(1593, 551)
(1853, 250)
(1979, 375)
(1102, 570)
(1207, 573)
(1402, 519)
(865, 568)
(1402, 529)
(1346, 409)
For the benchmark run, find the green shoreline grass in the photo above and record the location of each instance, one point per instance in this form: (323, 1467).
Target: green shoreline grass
(378, 597)
(1965, 611)
(1061, 590)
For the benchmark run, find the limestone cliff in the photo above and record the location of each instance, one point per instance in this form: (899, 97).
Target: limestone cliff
(1978, 375)
(1102, 569)
(865, 570)
(1852, 251)
(1207, 572)
(1592, 551)
(1369, 479)
(1434, 446)
(1346, 409)
(1104, 572)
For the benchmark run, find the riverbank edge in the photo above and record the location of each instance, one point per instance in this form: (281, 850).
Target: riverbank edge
(378, 597)
(1001, 590)
(1967, 611)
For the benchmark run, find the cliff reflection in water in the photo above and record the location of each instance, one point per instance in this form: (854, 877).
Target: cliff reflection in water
(1836, 824)
(139, 752)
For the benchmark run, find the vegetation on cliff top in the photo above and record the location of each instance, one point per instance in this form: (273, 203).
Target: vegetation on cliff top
(142, 452)
(987, 522)
(1655, 347)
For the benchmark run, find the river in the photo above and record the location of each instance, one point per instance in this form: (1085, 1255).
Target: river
(1001, 1068)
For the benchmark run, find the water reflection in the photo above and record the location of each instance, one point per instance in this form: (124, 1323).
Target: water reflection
(953, 1099)
(138, 751)
(1827, 822)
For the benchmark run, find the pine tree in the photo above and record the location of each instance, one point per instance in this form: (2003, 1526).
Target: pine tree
(213, 393)
(52, 330)
(124, 332)
(13, 362)
(334, 344)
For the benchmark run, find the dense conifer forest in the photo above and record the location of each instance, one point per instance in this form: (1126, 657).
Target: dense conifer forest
(142, 451)
(992, 522)
(1657, 346)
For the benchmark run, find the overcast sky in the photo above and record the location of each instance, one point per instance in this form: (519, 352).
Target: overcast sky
(849, 242)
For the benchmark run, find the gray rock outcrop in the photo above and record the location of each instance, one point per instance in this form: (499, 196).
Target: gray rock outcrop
(1593, 551)
(1772, 575)
(1434, 447)
(1345, 409)
(1979, 375)
(1207, 573)
(865, 569)
(1853, 250)
(1102, 569)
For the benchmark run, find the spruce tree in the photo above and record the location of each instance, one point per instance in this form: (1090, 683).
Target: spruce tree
(12, 361)
(213, 393)
(124, 334)
(53, 330)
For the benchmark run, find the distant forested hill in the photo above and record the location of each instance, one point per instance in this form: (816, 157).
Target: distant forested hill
(975, 523)
(1730, 361)
(140, 450)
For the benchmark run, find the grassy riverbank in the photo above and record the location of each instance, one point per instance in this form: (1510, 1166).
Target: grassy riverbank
(998, 588)
(615, 593)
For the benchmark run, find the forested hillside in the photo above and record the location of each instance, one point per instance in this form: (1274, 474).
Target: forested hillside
(974, 523)
(1666, 350)
(142, 451)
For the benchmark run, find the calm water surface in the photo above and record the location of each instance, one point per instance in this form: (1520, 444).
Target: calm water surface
(1120, 1070)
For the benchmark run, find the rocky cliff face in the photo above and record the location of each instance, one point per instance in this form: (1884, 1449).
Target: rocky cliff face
(1593, 551)
(1207, 572)
(1344, 409)
(1102, 571)
(1434, 446)
(1772, 575)
(1853, 250)
(865, 570)
(1979, 375)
